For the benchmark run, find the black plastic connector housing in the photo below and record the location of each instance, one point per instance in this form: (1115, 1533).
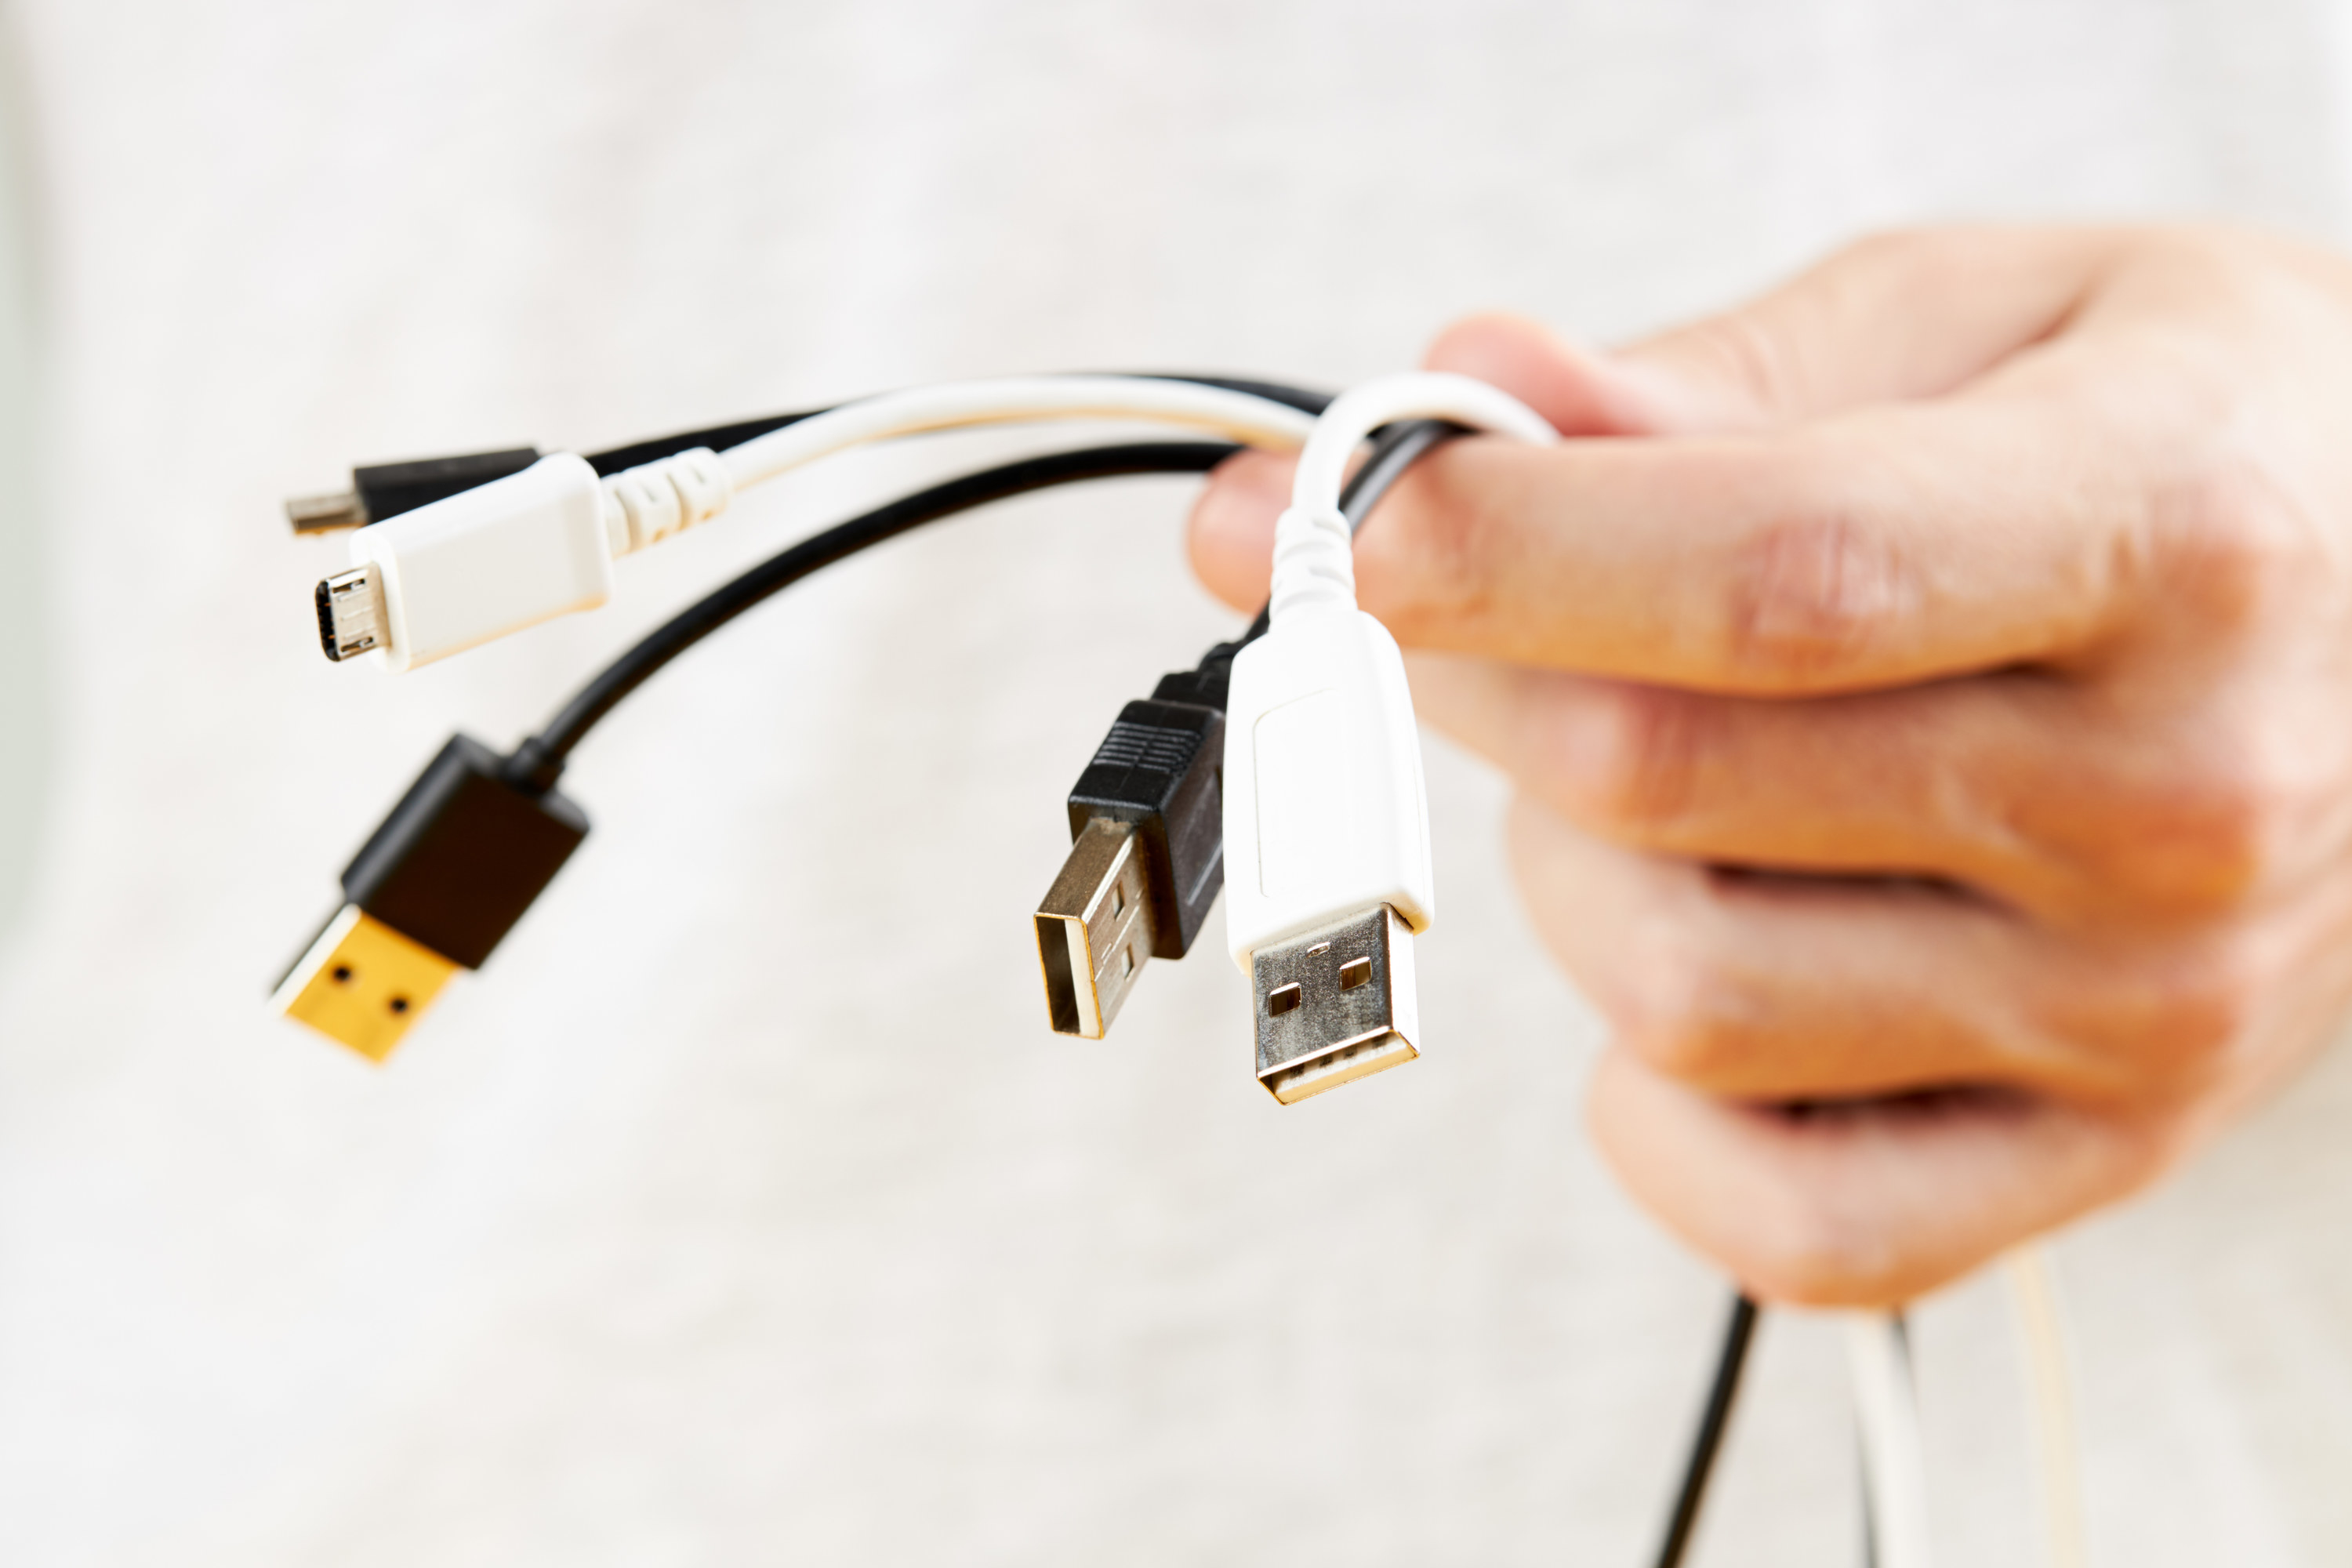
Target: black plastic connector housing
(387, 490)
(1162, 767)
(463, 854)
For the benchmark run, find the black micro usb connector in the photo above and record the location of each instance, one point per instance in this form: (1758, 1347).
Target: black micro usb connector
(386, 489)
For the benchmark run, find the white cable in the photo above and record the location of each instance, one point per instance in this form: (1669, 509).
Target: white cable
(2033, 1289)
(540, 543)
(1253, 420)
(1326, 821)
(1314, 556)
(1893, 1467)
(648, 503)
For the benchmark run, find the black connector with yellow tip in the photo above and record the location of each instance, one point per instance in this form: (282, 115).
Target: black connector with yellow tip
(475, 840)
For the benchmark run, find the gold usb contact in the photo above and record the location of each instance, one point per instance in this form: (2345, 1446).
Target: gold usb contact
(362, 984)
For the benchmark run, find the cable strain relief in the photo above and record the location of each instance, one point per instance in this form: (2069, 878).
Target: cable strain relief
(533, 767)
(1206, 685)
(1314, 560)
(646, 504)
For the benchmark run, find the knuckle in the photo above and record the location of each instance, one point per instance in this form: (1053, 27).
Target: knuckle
(1433, 562)
(1888, 250)
(1811, 594)
(1822, 1254)
(1742, 352)
(2224, 541)
(1643, 775)
(2200, 840)
(1687, 1022)
(2169, 1021)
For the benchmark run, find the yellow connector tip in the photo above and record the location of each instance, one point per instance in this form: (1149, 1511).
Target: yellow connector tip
(362, 984)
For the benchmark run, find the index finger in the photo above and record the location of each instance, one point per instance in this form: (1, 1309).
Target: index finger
(1888, 545)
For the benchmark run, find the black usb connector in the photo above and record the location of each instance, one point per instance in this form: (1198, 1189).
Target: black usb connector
(434, 891)
(387, 490)
(1146, 816)
(1148, 857)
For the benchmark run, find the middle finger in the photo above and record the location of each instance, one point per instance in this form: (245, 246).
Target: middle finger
(2006, 783)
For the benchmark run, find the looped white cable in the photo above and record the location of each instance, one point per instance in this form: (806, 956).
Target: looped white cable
(646, 504)
(1314, 553)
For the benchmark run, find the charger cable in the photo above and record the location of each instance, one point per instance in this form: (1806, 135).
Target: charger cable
(541, 541)
(1325, 817)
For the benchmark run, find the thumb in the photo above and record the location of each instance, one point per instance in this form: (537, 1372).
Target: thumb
(1578, 391)
(1895, 318)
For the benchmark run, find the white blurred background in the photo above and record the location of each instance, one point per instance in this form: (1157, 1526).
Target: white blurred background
(744, 1209)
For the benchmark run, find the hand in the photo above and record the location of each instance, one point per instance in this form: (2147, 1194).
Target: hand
(1929, 692)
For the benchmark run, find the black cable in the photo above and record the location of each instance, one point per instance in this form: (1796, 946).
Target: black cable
(539, 759)
(1305, 399)
(1728, 1364)
(1395, 449)
(718, 437)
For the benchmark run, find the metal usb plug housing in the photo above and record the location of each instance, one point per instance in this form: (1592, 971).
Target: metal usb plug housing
(1335, 1004)
(351, 612)
(1095, 929)
(327, 513)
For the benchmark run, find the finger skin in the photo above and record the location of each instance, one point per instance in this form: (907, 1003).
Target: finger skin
(1830, 1102)
(1944, 781)
(1891, 318)
(1848, 1094)
(1776, 988)
(1230, 536)
(2027, 789)
(1578, 391)
(1868, 1205)
(1881, 548)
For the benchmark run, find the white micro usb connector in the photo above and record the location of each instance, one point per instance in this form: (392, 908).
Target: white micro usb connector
(484, 562)
(1327, 822)
(514, 552)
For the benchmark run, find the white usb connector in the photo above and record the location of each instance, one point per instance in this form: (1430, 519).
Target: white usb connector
(485, 562)
(1327, 822)
(512, 553)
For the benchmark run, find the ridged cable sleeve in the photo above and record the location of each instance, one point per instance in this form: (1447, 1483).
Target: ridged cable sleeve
(1394, 450)
(1313, 562)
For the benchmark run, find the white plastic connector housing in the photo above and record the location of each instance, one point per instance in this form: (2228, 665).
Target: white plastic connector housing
(490, 561)
(1326, 812)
